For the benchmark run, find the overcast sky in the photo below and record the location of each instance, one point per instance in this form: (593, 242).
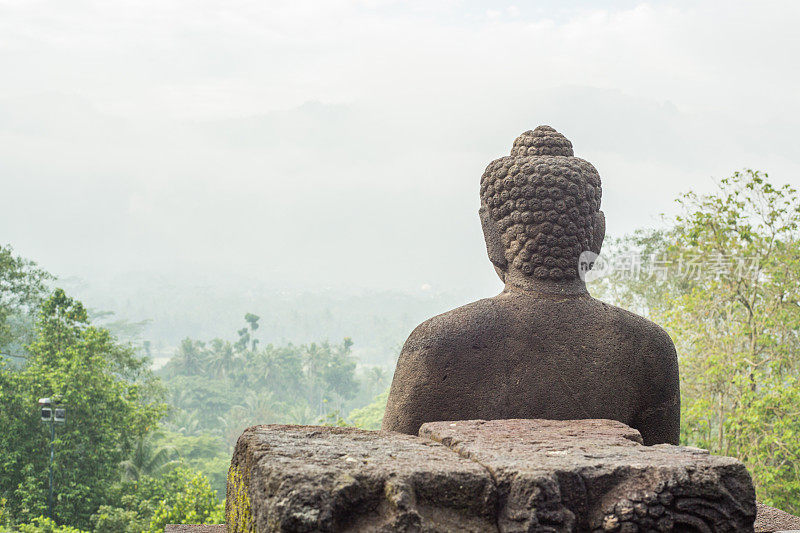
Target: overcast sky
(341, 143)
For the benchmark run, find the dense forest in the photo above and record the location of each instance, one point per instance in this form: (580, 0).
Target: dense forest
(143, 446)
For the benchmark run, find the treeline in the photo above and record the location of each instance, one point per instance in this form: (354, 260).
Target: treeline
(723, 278)
(218, 388)
(103, 477)
(140, 449)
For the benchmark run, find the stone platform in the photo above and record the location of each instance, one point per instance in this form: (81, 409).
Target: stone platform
(195, 528)
(508, 475)
(768, 520)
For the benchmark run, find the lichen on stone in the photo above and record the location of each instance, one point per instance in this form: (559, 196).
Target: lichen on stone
(238, 513)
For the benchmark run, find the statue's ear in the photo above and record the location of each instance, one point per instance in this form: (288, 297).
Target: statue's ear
(494, 242)
(599, 232)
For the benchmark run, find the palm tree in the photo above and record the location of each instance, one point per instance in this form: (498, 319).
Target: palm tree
(189, 358)
(299, 413)
(148, 459)
(377, 379)
(222, 360)
(185, 422)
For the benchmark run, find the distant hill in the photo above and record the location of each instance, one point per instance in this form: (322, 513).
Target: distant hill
(163, 310)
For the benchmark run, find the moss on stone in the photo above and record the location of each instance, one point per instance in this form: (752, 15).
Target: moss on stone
(237, 511)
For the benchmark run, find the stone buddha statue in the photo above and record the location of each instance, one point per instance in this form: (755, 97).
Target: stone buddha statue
(543, 347)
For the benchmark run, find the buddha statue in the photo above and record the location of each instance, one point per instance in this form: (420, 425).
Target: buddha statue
(543, 347)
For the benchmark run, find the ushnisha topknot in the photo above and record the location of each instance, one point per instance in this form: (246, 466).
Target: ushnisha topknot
(544, 140)
(545, 202)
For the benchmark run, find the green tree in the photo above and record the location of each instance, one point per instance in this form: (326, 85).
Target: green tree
(22, 289)
(192, 502)
(733, 310)
(377, 379)
(278, 370)
(246, 340)
(330, 375)
(116, 520)
(371, 416)
(177, 496)
(42, 524)
(112, 400)
(222, 361)
(149, 458)
(190, 359)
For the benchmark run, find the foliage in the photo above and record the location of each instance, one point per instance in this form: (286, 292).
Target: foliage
(219, 387)
(22, 288)
(371, 416)
(179, 494)
(194, 502)
(148, 458)
(732, 306)
(42, 524)
(117, 520)
(112, 399)
(114, 469)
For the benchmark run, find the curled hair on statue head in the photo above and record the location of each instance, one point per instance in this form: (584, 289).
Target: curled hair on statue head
(547, 204)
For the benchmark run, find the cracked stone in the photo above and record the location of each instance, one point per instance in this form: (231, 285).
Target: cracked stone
(604, 473)
(305, 478)
(507, 475)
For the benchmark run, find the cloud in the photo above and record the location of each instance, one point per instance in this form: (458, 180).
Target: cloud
(341, 142)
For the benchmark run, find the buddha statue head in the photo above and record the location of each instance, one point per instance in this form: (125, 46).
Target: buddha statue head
(540, 210)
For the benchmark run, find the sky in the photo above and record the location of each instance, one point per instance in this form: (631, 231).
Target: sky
(340, 143)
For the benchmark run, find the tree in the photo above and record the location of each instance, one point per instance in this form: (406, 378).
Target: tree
(192, 503)
(222, 361)
(732, 306)
(330, 375)
(279, 370)
(42, 524)
(377, 379)
(245, 334)
(112, 400)
(371, 416)
(149, 458)
(190, 359)
(22, 289)
(181, 495)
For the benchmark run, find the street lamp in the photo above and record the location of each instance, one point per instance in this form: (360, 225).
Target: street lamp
(52, 412)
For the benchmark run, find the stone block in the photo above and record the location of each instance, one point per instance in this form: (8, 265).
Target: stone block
(595, 475)
(769, 520)
(311, 478)
(505, 476)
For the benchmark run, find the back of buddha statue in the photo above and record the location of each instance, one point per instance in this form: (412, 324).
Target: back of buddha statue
(543, 348)
(525, 356)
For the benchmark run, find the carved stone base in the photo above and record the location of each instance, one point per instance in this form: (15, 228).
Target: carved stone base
(595, 475)
(507, 475)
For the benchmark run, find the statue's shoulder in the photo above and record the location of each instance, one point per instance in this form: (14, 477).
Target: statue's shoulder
(466, 325)
(646, 340)
(648, 330)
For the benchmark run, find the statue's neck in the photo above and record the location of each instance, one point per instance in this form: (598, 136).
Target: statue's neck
(518, 282)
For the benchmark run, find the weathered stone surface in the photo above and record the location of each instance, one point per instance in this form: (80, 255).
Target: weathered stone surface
(507, 475)
(595, 475)
(194, 528)
(307, 478)
(543, 348)
(769, 519)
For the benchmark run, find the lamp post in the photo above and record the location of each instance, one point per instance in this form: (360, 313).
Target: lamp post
(52, 412)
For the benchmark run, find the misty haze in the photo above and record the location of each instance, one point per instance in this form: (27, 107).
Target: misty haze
(259, 201)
